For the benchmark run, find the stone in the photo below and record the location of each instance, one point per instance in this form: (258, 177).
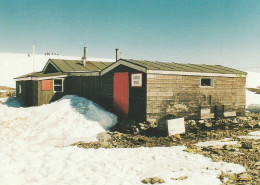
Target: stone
(232, 177)
(208, 124)
(180, 178)
(244, 177)
(201, 121)
(229, 147)
(257, 163)
(153, 180)
(104, 139)
(247, 145)
(193, 123)
(177, 136)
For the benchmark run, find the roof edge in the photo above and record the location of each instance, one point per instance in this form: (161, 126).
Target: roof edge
(123, 62)
(194, 73)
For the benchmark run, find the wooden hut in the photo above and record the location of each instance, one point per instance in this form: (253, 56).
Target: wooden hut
(148, 91)
(58, 78)
(141, 90)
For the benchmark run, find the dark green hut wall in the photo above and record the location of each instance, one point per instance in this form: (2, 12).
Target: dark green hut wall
(137, 95)
(84, 86)
(29, 92)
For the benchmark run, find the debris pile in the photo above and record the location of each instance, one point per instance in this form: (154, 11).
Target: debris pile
(6, 92)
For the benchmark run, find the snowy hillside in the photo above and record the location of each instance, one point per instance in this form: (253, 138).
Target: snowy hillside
(13, 65)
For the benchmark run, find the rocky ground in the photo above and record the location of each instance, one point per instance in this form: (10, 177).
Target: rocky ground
(6, 92)
(255, 90)
(245, 152)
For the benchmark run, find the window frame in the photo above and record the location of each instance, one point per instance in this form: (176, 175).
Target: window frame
(211, 82)
(62, 85)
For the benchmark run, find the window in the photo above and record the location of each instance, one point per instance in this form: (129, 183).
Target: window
(20, 89)
(58, 85)
(206, 82)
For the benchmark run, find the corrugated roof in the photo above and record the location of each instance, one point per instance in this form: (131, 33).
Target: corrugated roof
(167, 66)
(41, 74)
(76, 65)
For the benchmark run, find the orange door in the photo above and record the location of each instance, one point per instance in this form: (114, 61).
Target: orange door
(121, 94)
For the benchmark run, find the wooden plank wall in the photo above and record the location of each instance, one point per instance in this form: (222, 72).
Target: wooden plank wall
(28, 95)
(45, 97)
(182, 96)
(85, 86)
(137, 95)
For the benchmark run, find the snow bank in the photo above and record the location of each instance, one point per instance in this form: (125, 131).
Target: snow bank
(253, 80)
(63, 122)
(71, 165)
(253, 135)
(252, 99)
(13, 65)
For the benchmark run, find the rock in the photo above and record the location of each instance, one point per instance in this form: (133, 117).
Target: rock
(177, 136)
(229, 147)
(144, 126)
(247, 145)
(244, 177)
(192, 123)
(180, 178)
(201, 121)
(232, 177)
(208, 124)
(153, 180)
(257, 163)
(104, 139)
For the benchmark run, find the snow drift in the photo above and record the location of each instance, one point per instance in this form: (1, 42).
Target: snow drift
(252, 99)
(60, 123)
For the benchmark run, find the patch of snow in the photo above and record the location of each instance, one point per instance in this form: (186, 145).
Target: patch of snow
(60, 123)
(71, 165)
(223, 142)
(3, 99)
(252, 80)
(253, 135)
(252, 99)
(3, 91)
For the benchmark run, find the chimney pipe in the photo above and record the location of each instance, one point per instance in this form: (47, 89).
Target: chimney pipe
(116, 53)
(84, 58)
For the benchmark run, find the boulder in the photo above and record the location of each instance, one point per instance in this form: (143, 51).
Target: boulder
(104, 139)
(208, 124)
(153, 180)
(247, 145)
(180, 178)
(244, 177)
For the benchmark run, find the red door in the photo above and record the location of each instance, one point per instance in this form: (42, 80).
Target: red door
(121, 87)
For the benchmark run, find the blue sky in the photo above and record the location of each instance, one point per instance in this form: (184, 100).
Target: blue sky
(225, 32)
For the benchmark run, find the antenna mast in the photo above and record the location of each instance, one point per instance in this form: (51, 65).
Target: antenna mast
(33, 58)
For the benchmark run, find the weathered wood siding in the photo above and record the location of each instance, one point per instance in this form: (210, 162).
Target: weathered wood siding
(85, 86)
(29, 92)
(137, 95)
(45, 97)
(182, 96)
